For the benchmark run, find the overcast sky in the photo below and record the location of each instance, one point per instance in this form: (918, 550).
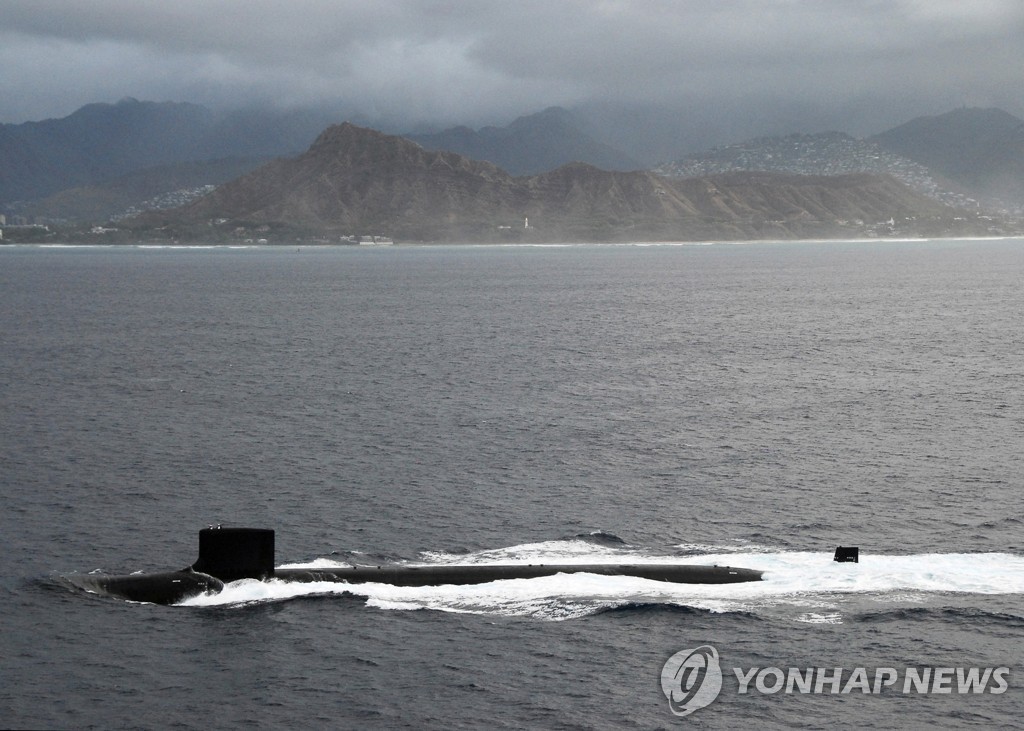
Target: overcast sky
(865, 65)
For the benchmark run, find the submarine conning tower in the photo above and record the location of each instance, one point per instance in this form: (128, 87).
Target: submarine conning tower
(230, 554)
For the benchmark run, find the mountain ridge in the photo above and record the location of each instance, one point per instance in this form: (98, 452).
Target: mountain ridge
(354, 180)
(530, 144)
(99, 143)
(979, 149)
(79, 167)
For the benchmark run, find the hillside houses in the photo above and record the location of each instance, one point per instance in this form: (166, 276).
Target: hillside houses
(828, 153)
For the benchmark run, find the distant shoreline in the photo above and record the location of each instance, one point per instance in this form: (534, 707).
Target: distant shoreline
(479, 244)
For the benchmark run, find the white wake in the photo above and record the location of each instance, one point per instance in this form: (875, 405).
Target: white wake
(808, 583)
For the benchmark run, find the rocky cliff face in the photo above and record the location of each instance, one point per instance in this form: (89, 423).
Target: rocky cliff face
(354, 180)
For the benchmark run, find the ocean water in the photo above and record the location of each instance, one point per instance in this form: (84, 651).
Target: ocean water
(752, 404)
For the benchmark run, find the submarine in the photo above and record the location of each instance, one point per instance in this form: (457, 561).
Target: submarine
(231, 554)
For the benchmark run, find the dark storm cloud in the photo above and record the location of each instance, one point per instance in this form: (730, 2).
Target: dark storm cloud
(474, 61)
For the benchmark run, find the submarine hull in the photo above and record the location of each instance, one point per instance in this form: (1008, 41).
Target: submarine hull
(480, 574)
(230, 554)
(173, 587)
(169, 587)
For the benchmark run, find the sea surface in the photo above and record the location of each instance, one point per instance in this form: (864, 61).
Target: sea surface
(755, 405)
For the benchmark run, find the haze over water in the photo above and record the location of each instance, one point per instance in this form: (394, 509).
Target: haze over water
(754, 405)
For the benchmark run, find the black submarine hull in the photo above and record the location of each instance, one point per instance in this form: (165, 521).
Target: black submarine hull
(483, 573)
(168, 587)
(230, 554)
